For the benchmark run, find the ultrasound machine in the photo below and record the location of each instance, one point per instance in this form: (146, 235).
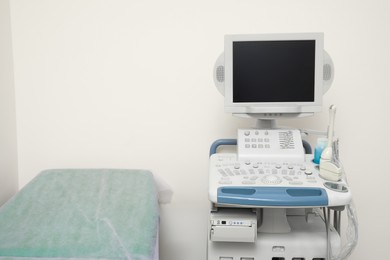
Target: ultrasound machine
(271, 198)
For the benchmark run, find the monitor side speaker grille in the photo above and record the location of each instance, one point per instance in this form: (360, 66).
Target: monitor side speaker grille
(220, 73)
(327, 72)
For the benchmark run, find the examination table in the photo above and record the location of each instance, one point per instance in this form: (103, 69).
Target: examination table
(82, 214)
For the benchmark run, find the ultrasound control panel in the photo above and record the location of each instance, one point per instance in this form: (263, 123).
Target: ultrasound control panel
(263, 183)
(276, 145)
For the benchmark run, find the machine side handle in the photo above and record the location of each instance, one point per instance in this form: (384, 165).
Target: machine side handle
(219, 142)
(307, 147)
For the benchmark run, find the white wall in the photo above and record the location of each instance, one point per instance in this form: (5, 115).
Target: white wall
(128, 84)
(8, 154)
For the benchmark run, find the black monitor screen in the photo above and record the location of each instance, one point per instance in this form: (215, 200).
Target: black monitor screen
(273, 71)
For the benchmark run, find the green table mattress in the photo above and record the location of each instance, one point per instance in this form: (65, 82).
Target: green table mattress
(82, 214)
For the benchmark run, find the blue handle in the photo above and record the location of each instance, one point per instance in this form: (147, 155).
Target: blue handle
(219, 142)
(273, 196)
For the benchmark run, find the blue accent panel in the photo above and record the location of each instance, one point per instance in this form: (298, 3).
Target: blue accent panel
(219, 142)
(240, 191)
(273, 196)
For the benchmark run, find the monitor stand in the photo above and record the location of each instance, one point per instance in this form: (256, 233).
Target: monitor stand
(266, 124)
(274, 219)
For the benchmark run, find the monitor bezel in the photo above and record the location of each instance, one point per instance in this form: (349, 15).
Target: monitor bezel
(280, 109)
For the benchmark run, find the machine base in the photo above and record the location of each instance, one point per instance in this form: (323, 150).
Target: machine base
(307, 240)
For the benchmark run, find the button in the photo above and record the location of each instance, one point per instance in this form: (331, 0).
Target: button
(254, 146)
(303, 168)
(260, 146)
(260, 140)
(247, 133)
(296, 182)
(266, 140)
(236, 166)
(256, 132)
(247, 162)
(267, 146)
(271, 179)
(248, 182)
(255, 165)
(243, 172)
(308, 172)
(229, 171)
(253, 139)
(247, 146)
(225, 182)
(266, 132)
(222, 172)
(225, 258)
(277, 249)
(290, 166)
(247, 140)
(251, 171)
(278, 166)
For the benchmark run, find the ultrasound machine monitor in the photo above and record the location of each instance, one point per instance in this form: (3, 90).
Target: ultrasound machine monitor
(273, 75)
